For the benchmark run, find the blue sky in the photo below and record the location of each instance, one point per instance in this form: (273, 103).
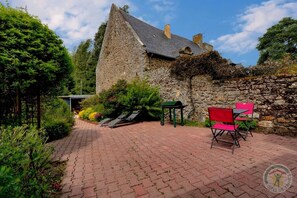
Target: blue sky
(231, 26)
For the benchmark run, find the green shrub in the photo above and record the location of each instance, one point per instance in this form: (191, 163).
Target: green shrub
(23, 160)
(142, 96)
(57, 119)
(110, 99)
(208, 123)
(56, 129)
(89, 102)
(193, 123)
(250, 124)
(98, 108)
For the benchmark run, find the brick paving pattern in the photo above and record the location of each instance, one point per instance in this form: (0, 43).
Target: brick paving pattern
(149, 160)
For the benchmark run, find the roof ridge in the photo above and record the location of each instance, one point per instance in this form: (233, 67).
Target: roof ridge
(125, 13)
(156, 42)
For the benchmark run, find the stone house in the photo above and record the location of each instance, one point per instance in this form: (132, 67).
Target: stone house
(131, 47)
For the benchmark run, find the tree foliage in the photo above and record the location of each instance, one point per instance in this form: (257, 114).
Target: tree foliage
(279, 40)
(85, 60)
(32, 56)
(33, 60)
(82, 69)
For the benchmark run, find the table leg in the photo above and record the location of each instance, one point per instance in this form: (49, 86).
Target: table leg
(162, 117)
(174, 118)
(170, 117)
(182, 116)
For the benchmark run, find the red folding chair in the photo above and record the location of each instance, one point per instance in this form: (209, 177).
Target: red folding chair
(224, 122)
(248, 115)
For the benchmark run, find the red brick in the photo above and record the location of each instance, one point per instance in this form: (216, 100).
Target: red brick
(134, 181)
(88, 183)
(100, 185)
(76, 191)
(228, 195)
(160, 183)
(187, 186)
(211, 194)
(139, 190)
(146, 183)
(130, 195)
(204, 189)
(89, 192)
(153, 192)
(219, 190)
(249, 191)
(115, 194)
(125, 189)
(112, 187)
(245, 195)
(167, 192)
(173, 185)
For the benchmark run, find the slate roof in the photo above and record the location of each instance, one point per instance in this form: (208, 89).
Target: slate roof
(156, 42)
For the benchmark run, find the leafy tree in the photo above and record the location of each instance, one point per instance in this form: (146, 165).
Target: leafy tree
(85, 60)
(81, 69)
(94, 56)
(33, 60)
(278, 41)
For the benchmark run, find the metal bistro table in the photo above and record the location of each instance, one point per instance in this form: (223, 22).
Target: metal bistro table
(237, 112)
(172, 105)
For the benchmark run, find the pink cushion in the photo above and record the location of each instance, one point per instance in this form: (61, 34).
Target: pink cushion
(245, 105)
(225, 127)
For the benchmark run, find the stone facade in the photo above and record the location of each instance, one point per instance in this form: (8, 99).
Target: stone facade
(122, 55)
(275, 97)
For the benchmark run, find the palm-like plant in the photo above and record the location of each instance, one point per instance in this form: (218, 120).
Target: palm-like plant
(144, 97)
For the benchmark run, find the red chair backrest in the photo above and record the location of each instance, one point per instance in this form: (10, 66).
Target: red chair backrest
(245, 105)
(221, 114)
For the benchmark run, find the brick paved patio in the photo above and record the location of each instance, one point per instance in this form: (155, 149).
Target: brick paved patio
(148, 160)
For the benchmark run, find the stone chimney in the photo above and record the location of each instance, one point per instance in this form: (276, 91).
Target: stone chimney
(167, 32)
(198, 39)
(207, 47)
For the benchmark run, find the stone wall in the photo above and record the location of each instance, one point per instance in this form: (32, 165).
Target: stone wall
(275, 97)
(122, 55)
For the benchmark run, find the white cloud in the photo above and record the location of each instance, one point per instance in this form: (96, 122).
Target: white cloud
(73, 20)
(165, 7)
(253, 23)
